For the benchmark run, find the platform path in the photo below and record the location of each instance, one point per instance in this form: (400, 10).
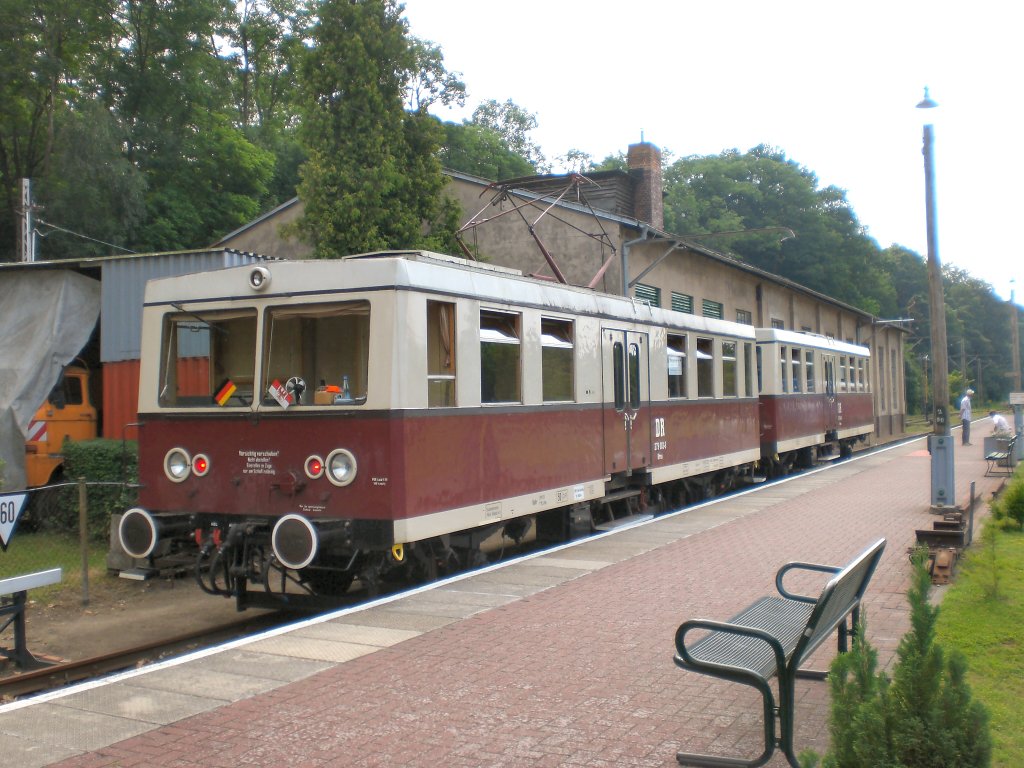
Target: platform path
(562, 660)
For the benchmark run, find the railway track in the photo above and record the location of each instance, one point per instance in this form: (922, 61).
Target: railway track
(65, 673)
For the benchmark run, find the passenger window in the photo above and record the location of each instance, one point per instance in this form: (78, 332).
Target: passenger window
(676, 366)
(705, 367)
(207, 359)
(556, 339)
(730, 381)
(842, 373)
(318, 353)
(809, 369)
(499, 357)
(796, 369)
(440, 354)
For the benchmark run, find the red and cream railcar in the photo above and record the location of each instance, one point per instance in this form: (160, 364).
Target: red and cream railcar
(324, 420)
(815, 398)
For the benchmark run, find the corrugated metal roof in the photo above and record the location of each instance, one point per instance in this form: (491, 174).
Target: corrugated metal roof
(124, 283)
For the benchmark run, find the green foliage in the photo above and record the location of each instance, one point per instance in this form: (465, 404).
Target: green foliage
(762, 189)
(924, 716)
(1009, 507)
(513, 124)
(985, 627)
(372, 178)
(481, 151)
(98, 461)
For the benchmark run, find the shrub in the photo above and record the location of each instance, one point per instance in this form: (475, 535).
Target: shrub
(114, 463)
(923, 717)
(1010, 506)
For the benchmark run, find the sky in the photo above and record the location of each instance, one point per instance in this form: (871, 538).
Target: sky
(833, 85)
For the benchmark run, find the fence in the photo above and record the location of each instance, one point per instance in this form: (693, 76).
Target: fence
(63, 525)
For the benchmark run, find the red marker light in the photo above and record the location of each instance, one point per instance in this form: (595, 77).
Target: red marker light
(200, 465)
(314, 467)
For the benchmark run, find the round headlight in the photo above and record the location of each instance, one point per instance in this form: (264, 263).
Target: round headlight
(314, 467)
(200, 464)
(341, 467)
(177, 463)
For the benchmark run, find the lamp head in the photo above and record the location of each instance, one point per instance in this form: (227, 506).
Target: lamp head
(927, 102)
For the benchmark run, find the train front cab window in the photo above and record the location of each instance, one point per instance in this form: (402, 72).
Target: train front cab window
(440, 354)
(705, 367)
(500, 357)
(318, 352)
(557, 356)
(676, 349)
(208, 359)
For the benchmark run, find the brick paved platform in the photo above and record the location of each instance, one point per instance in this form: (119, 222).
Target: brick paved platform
(564, 660)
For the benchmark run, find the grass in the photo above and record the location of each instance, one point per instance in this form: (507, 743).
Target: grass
(982, 615)
(30, 552)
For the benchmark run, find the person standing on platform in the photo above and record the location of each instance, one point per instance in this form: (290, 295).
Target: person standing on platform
(965, 417)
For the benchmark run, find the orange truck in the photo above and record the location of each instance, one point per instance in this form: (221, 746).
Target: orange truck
(67, 414)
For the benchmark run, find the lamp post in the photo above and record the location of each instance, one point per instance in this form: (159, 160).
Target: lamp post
(940, 442)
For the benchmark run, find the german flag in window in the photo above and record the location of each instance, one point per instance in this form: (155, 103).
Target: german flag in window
(224, 394)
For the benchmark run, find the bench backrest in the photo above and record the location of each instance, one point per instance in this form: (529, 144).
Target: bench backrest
(838, 599)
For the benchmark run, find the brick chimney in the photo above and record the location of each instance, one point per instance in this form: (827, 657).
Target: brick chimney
(644, 163)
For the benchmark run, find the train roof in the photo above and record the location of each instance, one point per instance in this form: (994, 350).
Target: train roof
(816, 341)
(419, 271)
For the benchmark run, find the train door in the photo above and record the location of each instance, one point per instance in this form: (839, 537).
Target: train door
(833, 406)
(627, 422)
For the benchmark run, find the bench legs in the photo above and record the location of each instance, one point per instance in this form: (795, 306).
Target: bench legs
(692, 759)
(15, 608)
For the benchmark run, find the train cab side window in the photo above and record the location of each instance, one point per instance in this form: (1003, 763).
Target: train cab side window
(556, 339)
(809, 369)
(499, 357)
(784, 354)
(319, 354)
(676, 349)
(705, 367)
(440, 354)
(730, 379)
(207, 359)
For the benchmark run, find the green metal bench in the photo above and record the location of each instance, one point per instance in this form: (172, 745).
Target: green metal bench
(772, 638)
(998, 460)
(13, 598)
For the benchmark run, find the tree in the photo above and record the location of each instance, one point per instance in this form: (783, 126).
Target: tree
(428, 82)
(513, 124)
(481, 151)
(373, 177)
(762, 190)
(923, 717)
(47, 48)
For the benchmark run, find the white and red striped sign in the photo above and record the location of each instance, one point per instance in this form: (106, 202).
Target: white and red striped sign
(37, 431)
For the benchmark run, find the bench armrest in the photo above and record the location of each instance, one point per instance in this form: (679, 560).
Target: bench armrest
(685, 657)
(780, 576)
